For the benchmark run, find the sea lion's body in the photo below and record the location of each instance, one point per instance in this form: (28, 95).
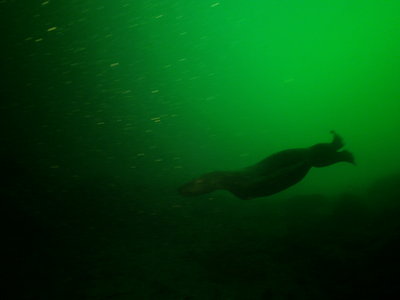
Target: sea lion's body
(271, 175)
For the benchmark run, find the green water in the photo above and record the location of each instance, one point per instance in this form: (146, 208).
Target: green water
(109, 106)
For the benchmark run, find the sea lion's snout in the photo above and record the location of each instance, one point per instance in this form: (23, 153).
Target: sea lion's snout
(192, 188)
(199, 186)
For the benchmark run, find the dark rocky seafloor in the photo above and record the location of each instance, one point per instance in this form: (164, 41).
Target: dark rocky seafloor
(102, 238)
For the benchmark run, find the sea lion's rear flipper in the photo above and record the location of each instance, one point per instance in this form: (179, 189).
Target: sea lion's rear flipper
(337, 141)
(345, 156)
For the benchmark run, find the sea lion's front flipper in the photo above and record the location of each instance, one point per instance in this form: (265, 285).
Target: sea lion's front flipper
(255, 185)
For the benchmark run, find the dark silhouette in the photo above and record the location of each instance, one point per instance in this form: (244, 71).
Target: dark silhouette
(271, 175)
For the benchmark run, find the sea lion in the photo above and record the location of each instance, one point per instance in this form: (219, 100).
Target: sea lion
(273, 174)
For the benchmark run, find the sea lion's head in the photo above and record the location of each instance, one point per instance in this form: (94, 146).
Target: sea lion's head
(205, 184)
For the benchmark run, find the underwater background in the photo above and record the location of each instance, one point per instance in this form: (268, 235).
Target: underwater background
(109, 106)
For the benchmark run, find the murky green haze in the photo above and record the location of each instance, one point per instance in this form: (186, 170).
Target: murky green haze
(109, 106)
